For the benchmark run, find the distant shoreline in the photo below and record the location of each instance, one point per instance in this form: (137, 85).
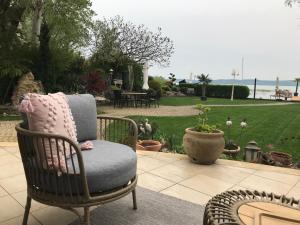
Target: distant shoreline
(246, 82)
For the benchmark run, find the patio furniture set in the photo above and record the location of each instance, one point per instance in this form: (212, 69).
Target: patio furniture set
(99, 164)
(282, 94)
(134, 99)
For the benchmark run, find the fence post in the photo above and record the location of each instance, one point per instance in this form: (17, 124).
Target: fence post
(254, 88)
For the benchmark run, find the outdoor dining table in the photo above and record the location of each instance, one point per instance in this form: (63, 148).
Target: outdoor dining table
(135, 96)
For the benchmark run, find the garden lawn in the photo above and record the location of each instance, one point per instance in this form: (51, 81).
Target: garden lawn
(193, 100)
(278, 126)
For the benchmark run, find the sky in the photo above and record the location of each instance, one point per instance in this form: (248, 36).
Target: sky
(212, 37)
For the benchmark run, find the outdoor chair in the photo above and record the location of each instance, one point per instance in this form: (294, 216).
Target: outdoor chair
(150, 99)
(120, 100)
(92, 177)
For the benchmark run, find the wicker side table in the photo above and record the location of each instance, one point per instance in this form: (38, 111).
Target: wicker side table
(251, 208)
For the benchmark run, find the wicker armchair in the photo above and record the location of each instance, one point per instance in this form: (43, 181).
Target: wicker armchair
(86, 179)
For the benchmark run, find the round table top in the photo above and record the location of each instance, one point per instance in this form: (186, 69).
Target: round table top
(267, 213)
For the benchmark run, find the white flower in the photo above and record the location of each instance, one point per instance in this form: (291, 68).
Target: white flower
(243, 124)
(4, 114)
(228, 123)
(201, 112)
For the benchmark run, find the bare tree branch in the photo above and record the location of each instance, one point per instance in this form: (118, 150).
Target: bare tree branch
(134, 41)
(291, 2)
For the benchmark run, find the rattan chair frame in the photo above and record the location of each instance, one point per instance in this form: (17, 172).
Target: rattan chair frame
(75, 192)
(222, 209)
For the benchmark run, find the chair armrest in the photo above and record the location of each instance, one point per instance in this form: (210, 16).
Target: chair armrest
(33, 144)
(119, 130)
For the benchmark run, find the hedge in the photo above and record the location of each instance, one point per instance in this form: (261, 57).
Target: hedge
(219, 91)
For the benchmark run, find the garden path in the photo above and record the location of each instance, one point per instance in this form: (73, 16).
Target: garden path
(163, 110)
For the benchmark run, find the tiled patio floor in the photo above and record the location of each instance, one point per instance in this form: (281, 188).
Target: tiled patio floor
(168, 173)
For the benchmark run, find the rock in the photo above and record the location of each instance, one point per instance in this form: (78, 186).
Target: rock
(26, 84)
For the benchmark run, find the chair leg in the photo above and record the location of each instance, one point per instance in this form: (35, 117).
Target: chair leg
(134, 199)
(27, 209)
(86, 217)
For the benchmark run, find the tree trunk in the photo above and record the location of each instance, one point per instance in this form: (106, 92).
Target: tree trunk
(203, 90)
(37, 22)
(130, 77)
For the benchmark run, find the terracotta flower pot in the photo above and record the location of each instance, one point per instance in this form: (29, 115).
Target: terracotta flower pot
(281, 158)
(203, 148)
(149, 145)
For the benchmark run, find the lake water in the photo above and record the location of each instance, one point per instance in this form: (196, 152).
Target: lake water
(264, 91)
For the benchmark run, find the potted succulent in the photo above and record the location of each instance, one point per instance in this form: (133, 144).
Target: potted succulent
(232, 148)
(146, 132)
(203, 143)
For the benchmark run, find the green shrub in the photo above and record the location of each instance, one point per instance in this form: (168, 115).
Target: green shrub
(161, 80)
(184, 87)
(187, 85)
(174, 88)
(218, 91)
(166, 88)
(224, 91)
(155, 85)
(7, 85)
(94, 82)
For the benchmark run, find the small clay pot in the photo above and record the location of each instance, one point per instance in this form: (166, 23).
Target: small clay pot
(149, 145)
(232, 152)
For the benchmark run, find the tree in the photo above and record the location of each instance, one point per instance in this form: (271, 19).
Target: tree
(105, 48)
(94, 82)
(172, 79)
(44, 63)
(11, 13)
(12, 57)
(119, 38)
(69, 21)
(204, 80)
(291, 2)
(42, 36)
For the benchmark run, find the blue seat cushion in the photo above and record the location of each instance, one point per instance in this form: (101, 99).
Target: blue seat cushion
(84, 111)
(108, 165)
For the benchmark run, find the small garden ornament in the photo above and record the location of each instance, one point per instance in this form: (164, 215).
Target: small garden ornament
(146, 133)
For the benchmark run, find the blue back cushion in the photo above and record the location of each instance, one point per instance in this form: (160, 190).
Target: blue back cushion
(84, 111)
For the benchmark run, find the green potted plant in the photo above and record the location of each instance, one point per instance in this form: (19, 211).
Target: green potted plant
(146, 132)
(232, 148)
(203, 143)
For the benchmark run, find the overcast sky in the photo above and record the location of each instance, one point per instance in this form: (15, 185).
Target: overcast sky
(213, 36)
